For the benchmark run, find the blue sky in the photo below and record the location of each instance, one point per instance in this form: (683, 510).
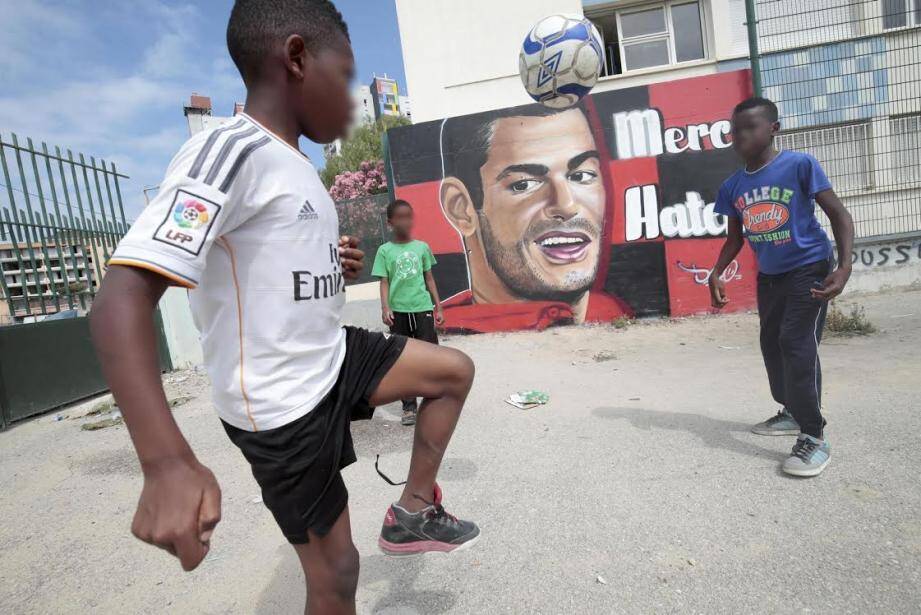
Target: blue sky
(109, 78)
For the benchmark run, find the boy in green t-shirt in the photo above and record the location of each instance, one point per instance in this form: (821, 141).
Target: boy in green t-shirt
(409, 298)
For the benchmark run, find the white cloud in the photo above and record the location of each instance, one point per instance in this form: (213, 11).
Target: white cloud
(169, 55)
(26, 23)
(129, 113)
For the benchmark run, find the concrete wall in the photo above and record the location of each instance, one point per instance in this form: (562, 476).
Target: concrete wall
(891, 263)
(181, 334)
(462, 57)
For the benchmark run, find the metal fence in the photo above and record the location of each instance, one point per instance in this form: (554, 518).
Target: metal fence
(846, 76)
(365, 218)
(60, 217)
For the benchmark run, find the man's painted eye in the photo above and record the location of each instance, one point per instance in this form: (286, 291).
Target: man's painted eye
(523, 185)
(583, 177)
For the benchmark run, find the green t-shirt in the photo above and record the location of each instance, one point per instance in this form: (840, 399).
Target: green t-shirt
(403, 264)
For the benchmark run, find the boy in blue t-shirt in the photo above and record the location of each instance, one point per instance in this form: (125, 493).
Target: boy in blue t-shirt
(774, 199)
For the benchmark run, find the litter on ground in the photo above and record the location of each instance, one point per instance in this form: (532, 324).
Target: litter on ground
(526, 400)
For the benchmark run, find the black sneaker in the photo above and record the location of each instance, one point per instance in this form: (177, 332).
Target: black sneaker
(781, 424)
(409, 413)
(431, 529)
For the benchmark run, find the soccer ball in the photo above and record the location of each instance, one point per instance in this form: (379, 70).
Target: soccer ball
(560, 60)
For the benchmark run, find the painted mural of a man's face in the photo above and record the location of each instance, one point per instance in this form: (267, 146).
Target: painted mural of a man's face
(531, 214)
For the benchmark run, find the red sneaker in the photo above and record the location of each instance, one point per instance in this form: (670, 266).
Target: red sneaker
(430, 529)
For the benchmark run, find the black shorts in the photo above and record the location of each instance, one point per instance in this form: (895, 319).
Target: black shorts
(417, 325)
(297, 465)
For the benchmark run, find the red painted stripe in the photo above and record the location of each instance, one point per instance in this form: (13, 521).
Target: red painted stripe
(431, 225)
(687, 296)
(610, 207)
(705, 99)
(627, 174)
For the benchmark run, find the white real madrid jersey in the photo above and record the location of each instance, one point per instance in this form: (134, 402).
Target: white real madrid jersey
(244, 222)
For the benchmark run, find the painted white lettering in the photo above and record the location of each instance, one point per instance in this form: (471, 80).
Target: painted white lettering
(714, 223)
(717, 133)
(673, 139)
(642, 212)
(693, 218)
(639, 133)
(695, 133)
(675, 221)
(695, 205)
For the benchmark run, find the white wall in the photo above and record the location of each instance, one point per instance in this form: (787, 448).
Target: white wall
(200, 121)
(180, 331)
(462, 57)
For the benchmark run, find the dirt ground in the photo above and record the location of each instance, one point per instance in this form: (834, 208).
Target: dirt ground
(637, 489)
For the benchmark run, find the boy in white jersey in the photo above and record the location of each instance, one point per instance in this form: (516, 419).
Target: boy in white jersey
(243, 220)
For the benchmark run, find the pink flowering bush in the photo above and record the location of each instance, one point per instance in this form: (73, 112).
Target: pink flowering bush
(370, 178)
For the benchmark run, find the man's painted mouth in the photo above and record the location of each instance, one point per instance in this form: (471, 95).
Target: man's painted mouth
(564, 247)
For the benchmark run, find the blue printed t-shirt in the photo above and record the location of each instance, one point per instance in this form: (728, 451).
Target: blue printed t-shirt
(776, 205)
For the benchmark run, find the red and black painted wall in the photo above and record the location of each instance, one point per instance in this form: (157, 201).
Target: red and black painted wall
(601, 213)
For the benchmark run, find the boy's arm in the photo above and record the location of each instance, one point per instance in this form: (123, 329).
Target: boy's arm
(842, 226)
(386, 312)
(180, 504)
(433, 291)
(730, 250)
(428, 261)
(379, 270)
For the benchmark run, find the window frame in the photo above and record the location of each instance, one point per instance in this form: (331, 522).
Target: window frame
(668, 36)
(901, 175)
(831, 167)
(912, 15)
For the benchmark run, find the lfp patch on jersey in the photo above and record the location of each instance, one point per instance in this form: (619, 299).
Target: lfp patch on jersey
(187, 222)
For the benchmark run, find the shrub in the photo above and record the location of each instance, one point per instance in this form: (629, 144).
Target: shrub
(846, 324)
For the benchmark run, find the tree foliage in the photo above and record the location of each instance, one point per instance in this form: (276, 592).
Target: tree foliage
(363, 145)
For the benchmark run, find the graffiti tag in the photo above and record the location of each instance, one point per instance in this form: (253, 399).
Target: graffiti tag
(702, 274)
(886, 255)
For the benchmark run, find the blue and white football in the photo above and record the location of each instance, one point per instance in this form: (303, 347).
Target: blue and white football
(560, 60)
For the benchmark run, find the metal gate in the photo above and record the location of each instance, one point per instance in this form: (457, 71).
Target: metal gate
(365, 218)
(61, 216)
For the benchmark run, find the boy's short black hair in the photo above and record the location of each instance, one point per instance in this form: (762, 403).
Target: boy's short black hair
(393, 206)
(757, 102)
(256, 25)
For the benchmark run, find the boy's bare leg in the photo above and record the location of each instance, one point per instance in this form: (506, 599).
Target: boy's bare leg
(442, 376)
(330, 566)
